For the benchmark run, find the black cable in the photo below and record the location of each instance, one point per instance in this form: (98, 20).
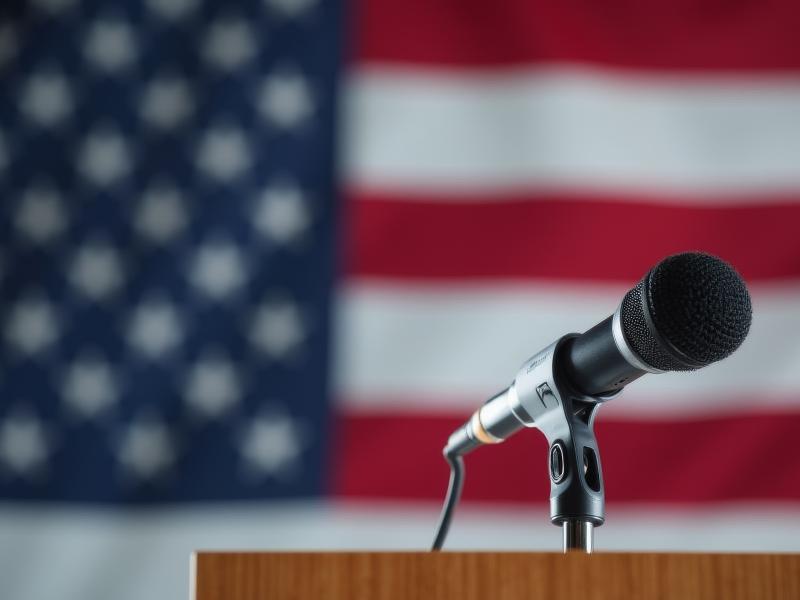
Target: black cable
(456, 463)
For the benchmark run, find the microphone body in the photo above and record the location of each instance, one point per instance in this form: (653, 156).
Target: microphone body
(600, 362)
(593, 367)
(690, 310)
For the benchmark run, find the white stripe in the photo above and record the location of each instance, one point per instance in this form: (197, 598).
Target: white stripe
(400, 348)
(96, 555)
(441, 131)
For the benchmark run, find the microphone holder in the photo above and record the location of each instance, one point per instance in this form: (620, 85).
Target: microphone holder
(541, 398)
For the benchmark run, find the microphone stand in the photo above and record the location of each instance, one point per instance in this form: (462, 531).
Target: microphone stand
(542, 399)
(578, 536)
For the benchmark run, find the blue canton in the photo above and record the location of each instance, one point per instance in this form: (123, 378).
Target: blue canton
(167, 248)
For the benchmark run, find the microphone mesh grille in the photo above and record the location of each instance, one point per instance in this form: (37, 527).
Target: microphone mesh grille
(698, 308)
(700, 305)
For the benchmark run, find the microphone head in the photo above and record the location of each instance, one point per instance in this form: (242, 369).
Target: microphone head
(690, 310)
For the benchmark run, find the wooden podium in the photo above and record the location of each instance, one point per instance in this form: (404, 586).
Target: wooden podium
(493, 575)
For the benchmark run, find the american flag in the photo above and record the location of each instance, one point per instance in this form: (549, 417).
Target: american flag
(260, 257)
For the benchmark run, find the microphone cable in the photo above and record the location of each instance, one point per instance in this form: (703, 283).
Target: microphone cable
(454, 488)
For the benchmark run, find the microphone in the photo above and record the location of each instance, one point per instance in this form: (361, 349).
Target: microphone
(689, 311)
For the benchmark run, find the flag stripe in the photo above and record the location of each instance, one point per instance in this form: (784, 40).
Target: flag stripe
(437, 346)
(698, 461)
(579, 128)
(657, 36)
(556, 237)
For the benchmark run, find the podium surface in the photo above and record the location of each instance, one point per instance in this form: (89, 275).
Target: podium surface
(496, 575)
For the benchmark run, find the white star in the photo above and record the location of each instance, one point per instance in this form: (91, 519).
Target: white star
(110, 45)
(290, 8)
(9, 45)
(46, 98)
(89, 387)
(53, 7)
(147, 449)
(218, 269)
(285, 100)
(167, 102)
(229, 44)
(96, 270)
(32, 326)
(161, 216)
(172, 10)
(282, 214)
(272, 444)
(104, 158)
(224, 153)
(278, 329)
(40, 217)
(24, 445)
(212, 386)
(155, 328)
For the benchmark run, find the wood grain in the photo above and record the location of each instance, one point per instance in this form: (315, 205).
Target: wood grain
(495, 575)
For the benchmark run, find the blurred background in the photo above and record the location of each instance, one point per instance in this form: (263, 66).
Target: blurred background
(259, 257)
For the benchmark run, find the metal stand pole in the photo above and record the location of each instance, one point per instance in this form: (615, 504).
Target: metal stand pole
(578, 536)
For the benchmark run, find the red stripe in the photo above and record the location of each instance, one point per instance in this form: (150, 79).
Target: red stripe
(598, 239)
(662, 34)
(742, 458)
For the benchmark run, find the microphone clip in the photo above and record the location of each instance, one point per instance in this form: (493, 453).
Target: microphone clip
(542, 397)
